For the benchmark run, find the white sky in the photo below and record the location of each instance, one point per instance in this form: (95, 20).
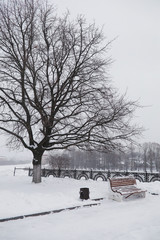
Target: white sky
(136, 51)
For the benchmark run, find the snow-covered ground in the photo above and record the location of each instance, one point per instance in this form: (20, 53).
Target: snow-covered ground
(130, 220)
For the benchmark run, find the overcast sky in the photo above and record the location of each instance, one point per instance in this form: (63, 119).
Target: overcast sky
(136, 51)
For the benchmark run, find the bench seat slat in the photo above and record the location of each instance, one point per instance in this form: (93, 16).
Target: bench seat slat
(125, 190)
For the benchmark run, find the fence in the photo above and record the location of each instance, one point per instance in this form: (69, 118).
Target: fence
(93, 174)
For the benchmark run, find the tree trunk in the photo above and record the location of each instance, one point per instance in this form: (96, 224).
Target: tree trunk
(37, 157)
(36, 173)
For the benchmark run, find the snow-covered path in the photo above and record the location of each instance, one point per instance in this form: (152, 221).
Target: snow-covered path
(131, 220)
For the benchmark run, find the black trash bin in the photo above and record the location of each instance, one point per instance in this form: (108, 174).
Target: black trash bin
(84, 193)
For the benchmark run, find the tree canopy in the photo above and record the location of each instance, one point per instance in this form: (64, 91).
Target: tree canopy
(54, 88)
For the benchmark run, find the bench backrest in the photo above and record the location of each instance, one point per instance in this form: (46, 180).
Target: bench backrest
(122, 181)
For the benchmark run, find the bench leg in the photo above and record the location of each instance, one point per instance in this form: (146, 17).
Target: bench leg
(144, 194)
(118, 197)
(115, 196)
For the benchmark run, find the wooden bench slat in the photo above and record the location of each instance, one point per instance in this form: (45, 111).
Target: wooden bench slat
(122, 182)
(125, 186)
(124, 190)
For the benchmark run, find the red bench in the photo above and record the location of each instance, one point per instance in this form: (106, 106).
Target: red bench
(123, 188)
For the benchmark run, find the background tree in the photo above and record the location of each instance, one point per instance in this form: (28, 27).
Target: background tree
(58, 161)
(151, 156)
(54, 90)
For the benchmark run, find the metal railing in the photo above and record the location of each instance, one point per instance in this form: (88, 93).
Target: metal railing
(93, 174)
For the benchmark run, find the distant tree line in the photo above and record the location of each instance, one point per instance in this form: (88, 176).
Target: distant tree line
(145, 157)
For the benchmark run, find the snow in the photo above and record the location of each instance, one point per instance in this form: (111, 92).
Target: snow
(136, 219)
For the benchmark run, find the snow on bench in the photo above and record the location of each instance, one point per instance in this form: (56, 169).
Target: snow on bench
(123, 188)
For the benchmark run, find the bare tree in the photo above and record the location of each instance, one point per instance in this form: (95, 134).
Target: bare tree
(54, 90)
(151, 155)
(58, 161)
(145, 156)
